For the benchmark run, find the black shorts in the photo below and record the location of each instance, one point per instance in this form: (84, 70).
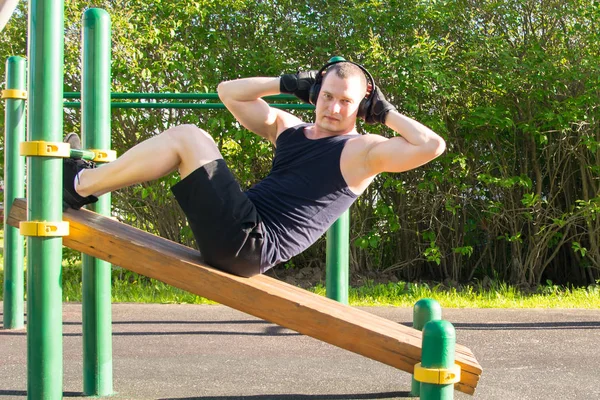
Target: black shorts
(225, 223)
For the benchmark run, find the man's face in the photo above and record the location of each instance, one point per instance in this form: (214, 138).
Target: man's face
(337, 104)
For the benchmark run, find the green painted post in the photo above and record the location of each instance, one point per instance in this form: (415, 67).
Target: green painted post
(14, 187)
(424, 310)
(439, 343)
(44, 197)
(337, 268)
(336, 284)
(95, 114)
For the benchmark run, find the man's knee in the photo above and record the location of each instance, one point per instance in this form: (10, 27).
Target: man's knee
(193, 146)
(199, 133)
(191, 140)
(188, 134)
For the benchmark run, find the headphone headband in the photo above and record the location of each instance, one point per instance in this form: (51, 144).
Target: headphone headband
(319, 78)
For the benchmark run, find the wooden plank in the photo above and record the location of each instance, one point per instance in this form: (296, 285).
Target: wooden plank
(264, 297)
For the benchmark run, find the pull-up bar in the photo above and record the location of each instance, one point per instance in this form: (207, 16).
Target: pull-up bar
(173, 96)
(205, 106)
(181, 96)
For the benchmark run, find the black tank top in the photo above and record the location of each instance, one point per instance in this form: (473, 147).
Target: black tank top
(303, 195)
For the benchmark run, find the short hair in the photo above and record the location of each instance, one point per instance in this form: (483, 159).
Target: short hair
(346, 70)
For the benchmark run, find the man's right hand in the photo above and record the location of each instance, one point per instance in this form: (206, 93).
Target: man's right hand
(379, 108)
(298, 84)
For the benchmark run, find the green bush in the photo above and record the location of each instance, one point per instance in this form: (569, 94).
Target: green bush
(511, 85)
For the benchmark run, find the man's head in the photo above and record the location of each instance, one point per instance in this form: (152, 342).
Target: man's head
(342, 88)
(346, 70)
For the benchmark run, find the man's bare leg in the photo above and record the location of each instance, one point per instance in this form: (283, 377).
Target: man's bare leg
(184, 148)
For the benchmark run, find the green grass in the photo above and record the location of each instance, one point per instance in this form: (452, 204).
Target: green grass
(498, 295)
(128, 287)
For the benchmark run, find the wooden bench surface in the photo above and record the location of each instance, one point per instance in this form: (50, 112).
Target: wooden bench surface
(264, 297)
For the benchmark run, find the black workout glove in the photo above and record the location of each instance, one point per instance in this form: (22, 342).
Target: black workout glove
(379, 108)
(298, 84)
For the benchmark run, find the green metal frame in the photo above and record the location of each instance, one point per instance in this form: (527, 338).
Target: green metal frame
(424, 311)
(181, 96)
(337, 259)
(85, 154)
(44, 194)
(190, 106)
(96, 279)
(14, 187)
(173, 96)
(438, 347)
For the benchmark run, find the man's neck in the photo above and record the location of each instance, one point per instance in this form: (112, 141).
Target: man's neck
(317, 132)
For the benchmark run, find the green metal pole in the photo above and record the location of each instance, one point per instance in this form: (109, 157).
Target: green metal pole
(337, 268)
(338, 250)
(14, 187)
(95, 114)
(189, 106)
(44, 195)
(439, 343)
(175, 96)
(424, 310)
(85, 154)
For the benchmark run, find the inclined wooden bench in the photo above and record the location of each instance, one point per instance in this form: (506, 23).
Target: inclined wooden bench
(264, 297)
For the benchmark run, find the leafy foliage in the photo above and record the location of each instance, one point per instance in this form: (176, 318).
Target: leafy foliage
(511, 85)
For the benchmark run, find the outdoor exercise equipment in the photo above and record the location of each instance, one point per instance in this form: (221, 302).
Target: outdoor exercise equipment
(437, 370)
(14, 187)
(424, 311)
(96, 134)
(264, 297)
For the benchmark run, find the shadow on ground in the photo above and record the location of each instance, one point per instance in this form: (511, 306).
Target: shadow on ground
(345, 396)
(23, 393)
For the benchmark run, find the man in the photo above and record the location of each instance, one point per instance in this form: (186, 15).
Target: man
(319, 169)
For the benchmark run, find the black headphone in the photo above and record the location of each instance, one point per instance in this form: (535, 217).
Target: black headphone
(364, 104)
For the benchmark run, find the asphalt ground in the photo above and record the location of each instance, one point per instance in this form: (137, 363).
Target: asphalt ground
(213, 352)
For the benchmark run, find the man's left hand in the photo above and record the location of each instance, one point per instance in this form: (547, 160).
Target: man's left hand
(379, 108)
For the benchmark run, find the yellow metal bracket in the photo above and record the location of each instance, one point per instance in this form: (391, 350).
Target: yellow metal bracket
(104, 155)
(437, 376)
(44, 228)
(14, 94)
(45, 149)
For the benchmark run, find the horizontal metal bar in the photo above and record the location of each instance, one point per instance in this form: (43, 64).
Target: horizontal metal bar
(85, 154)
(174, 96)
(209, 106)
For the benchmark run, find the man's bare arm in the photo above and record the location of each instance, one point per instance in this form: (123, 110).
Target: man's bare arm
(242, 97)
(416, 146)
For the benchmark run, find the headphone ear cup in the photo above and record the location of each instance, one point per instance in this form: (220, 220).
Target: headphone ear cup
(365, 103)
(363, 107)
(313, 93)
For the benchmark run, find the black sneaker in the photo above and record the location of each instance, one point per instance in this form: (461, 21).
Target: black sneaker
(71, 198)
(73, 139)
